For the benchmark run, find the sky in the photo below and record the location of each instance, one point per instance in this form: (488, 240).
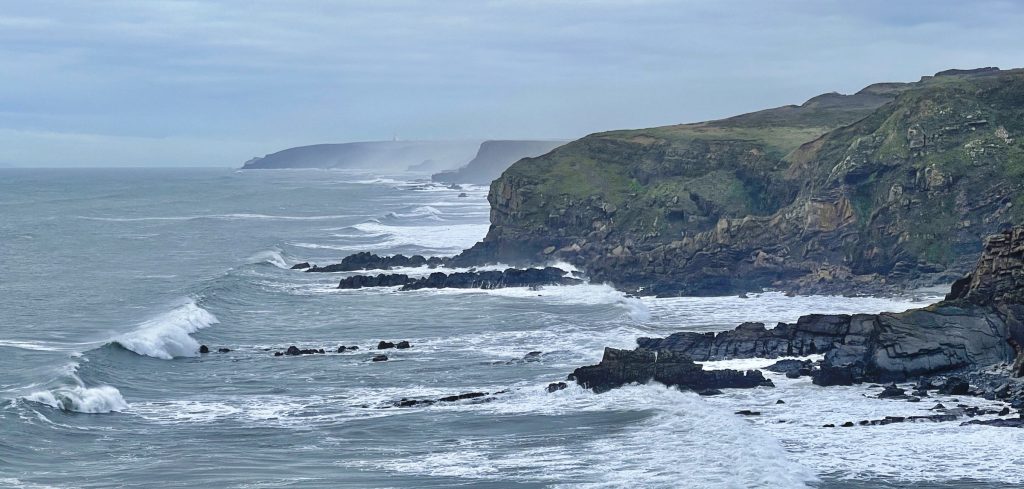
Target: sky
(214, 83)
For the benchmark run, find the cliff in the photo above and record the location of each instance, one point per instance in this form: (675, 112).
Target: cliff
(893, 186)
(493, 158)
(373, 155)
(977, 327)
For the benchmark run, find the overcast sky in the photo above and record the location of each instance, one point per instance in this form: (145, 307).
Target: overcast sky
(204, 83)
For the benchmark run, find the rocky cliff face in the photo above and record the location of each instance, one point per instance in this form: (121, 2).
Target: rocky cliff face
(891, 187)
(493, 158)
(978, 326)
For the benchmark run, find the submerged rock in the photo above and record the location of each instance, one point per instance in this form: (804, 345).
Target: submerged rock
(204, 349)
(379, 358)
(556, 386)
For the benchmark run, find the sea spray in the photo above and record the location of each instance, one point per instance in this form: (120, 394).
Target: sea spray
(167, 335)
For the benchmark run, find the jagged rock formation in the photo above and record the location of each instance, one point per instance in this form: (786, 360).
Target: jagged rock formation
(893, 186)
(621, 367)
(980, 324)
(372, 155)
(491, 279)
(493, 158)
(371, 261)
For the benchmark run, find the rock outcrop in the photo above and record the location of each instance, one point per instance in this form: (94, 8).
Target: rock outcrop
(621, 367)
(492, 279)
(979, 325)
(371, 261)
(889, 188)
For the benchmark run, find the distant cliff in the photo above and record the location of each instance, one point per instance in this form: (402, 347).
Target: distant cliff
(893, 186)
(373, 155)
(493, 158)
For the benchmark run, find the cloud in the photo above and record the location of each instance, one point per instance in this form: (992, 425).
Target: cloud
(173, 74)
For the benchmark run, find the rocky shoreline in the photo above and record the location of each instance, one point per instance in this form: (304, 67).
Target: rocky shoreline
(971, 342)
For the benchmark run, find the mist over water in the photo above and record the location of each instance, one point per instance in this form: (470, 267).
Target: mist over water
(113, 278)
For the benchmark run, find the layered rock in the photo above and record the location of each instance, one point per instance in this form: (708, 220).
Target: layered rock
(621, 367)
(979, 325)
(491, 279)
(888, 188)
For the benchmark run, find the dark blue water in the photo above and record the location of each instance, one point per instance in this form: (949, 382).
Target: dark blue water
(112, 279)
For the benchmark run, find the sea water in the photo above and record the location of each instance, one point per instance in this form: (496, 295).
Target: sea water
(112, 279)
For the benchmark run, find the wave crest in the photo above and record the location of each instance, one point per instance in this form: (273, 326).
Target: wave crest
(167, 335)
(82, 399)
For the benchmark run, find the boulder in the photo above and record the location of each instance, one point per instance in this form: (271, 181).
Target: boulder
(300, 266)
(379, 358)
(385, 345)
(204, 349)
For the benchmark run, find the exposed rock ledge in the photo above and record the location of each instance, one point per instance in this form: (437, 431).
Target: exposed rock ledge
(511, 277)
(980, 324)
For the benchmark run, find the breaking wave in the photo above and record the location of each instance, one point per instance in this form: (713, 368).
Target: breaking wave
(167, 335)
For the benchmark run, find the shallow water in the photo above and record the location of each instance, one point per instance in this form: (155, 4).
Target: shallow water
(113, 278)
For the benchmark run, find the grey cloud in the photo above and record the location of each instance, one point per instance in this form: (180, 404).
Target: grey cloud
(218, 82)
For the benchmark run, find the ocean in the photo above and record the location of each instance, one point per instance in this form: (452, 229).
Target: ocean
(112, 279)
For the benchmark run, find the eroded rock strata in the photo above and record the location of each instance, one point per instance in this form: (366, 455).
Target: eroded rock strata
(889, 188)
(978, 325)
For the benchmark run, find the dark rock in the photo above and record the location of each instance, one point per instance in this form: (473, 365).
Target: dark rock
(223, 350)
(709, 392)
(780, 401)
(370, 261)
(892, 391)
(295, 351)
(463, 194)
(847, 424)
(204, 349)
(533, 356)
(491, 279)
(460, 397)
(788, 365)
(1002, 423)
(556, 386)
(382, 280)
(621, 367)
(955, 386)
(278, 354)
(913, 399)
(379, 358)
(747, 412)
(300, 266)
(829, 425)
(401, 345)
(385, 345)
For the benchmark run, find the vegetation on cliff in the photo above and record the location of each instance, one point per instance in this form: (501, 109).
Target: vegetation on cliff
(892, 186)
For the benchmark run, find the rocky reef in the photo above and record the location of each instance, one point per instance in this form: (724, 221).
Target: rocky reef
(889, 188)
(491, 279)
(619, 367)
(980, 325)
(372, 261)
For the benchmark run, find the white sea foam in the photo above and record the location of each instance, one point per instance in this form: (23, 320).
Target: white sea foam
(423, 211)
(273, 257)
(678, 441)
(81, 399)
(167, 335)
(447, 237)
